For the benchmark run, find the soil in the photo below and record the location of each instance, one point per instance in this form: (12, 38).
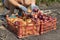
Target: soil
(5, 34)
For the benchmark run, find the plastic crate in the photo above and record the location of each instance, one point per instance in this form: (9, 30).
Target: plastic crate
(22, 30)
(47, 26)
(32, 26)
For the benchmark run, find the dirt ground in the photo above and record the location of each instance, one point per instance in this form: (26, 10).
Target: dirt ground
(52, 35)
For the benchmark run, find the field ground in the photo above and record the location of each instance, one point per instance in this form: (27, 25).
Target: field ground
(52, 35)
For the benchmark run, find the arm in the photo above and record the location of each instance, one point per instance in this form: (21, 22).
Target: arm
(33, 1)
(15, 3)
